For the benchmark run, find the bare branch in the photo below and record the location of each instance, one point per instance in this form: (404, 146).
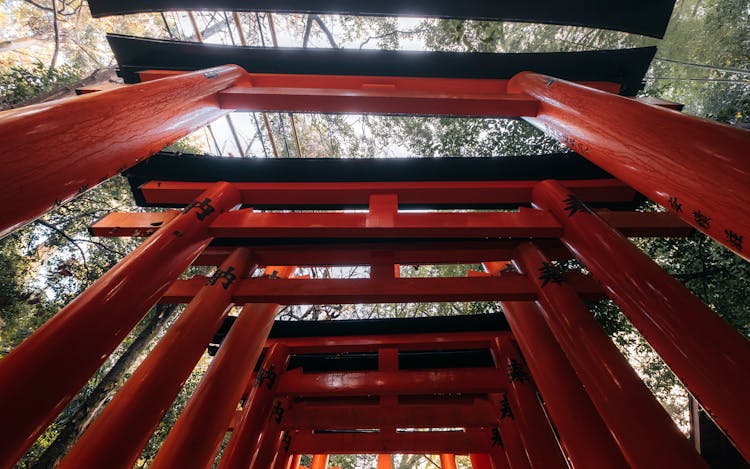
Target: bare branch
(66, 236)
(322, 26)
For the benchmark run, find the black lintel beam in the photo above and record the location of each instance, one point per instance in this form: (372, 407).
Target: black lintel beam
(627, 67)
(646, 17)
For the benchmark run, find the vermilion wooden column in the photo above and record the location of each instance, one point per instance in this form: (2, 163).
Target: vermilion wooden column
(319, 461)
(538, 437)
(480, 461)
(53, 151)
(271, 445)
(244, 440)
(646, 434)
(702, 349)
(385, 461)
(506, 439)
(283, 461)
(696, 168)
(123, 428)
(295, 461)
(44, 373)
(583, 434)
(498, 457)
(202, 425)
(447, 461)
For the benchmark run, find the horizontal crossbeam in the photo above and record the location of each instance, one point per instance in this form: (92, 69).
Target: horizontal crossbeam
(389, 383)
(307, 442)
(527, 223)
(403, 342)
(465, 194)
(306, 253)
(508, 287)
(347, 416)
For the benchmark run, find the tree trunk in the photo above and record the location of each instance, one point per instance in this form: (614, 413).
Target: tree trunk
(64, 91)
(15, 44)
(85, 412)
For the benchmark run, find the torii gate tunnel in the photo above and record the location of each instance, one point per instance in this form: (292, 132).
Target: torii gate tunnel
(538, 385)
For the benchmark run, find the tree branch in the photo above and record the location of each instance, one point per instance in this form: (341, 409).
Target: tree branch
(322, 26)
(65, 235)
(56, 27)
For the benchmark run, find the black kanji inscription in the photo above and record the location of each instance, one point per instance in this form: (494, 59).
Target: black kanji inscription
(228, 276)
(204, 208)
(550, 273)
(517, 372)
(574, 205)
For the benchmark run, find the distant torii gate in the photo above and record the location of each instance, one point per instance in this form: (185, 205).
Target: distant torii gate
(369, 390)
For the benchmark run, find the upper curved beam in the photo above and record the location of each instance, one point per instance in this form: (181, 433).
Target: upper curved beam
(646, 17)
(625, 67)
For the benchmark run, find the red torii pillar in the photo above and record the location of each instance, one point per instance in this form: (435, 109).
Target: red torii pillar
(274, 442)
(447, 461)
(583, 434)
(72, 345)
(243, 443)
(622, 399)
(385, 461)
(202, 424)
(702, 349)
(697, 168)
(480, 461)
(319, 461)
(506, 437)
(538, 437)
(53, 151)
(117, 436)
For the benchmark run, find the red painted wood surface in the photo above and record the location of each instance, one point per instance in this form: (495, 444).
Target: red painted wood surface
(45, 371)
(357, 383)
(201, 426)
(53, 151)
(319, 461)
(480, 461)
(306, 442)
(404, 342)
(370, 94)
(527, 223)
(696, 168)
(702, 349)
(414, 193)
(377, 101)
(584, 436)
(624, 402)
(511, 287)
(447, 461)
(542, 448)
(385, 461)
(117, 436)
(506, 437)
(244, 440)
(448, 414)
(270, 445)
(422, 252)
(364, 82)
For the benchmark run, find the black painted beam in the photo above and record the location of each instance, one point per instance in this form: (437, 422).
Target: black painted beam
(646, 17)
(166, 166)
(624, 66)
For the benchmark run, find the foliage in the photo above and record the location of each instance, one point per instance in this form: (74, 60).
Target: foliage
(20, 83)
(703, 62)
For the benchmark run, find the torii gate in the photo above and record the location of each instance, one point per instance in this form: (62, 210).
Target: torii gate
(595, 411)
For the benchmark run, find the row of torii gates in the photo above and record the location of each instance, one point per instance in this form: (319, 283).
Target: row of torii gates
(540, 385)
